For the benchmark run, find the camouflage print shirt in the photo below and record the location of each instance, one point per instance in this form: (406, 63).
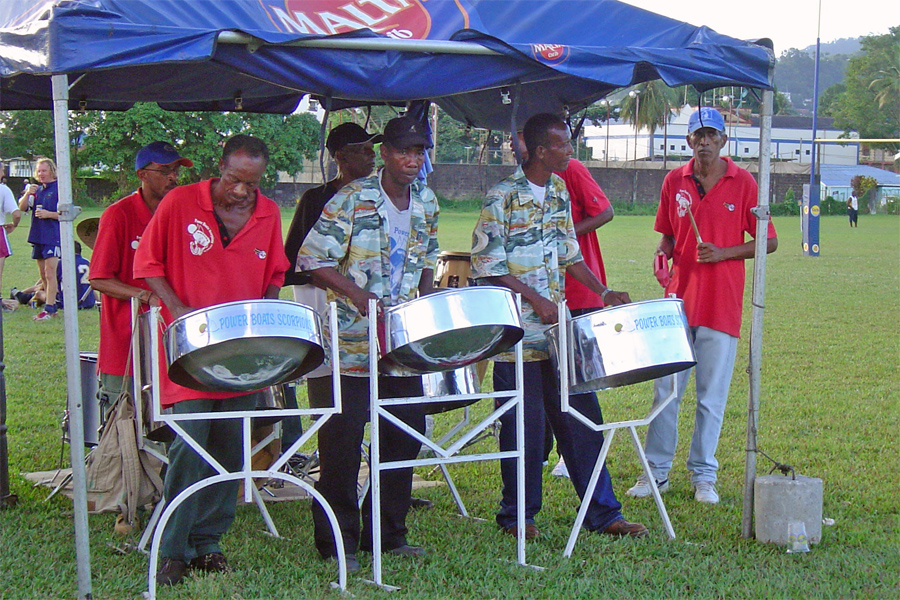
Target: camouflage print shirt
(534, 243)
(351, 236)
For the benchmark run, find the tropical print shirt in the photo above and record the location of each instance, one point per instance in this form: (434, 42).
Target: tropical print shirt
(351, 236)
(533, 242)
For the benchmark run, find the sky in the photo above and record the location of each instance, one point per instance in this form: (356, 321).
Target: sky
(788, 23)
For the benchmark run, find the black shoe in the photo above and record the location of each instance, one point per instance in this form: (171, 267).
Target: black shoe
(172, 572)
(352, 562)
(406, 550)
(420, 503)
(214, 562)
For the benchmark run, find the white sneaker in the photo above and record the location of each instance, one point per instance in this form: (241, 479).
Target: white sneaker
(642, 488)
(705, 491)
(560, 469)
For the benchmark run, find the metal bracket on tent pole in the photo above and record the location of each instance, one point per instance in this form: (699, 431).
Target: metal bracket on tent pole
(761, 213)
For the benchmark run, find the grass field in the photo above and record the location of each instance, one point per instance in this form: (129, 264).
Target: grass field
(830, 408)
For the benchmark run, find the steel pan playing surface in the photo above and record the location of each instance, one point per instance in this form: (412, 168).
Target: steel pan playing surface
(449, 329)
(626, 344)
(244, 346)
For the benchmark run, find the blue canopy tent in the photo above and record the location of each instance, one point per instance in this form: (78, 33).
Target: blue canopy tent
(489, 63)
(269, 53)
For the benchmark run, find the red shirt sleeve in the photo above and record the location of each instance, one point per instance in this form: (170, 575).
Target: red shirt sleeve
(105, 258)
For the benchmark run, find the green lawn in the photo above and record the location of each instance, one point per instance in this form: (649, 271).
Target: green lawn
(830, 408)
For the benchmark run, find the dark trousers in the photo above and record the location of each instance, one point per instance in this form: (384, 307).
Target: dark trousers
(291, 427)
(575, 442)
(199, 522)
(339, 458)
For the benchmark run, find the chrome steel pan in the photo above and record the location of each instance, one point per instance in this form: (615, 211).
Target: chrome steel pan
(449, 329)
(244, 346)
(626, 344)
(450, 383)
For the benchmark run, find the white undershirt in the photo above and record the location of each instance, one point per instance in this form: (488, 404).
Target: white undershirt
(398, 234)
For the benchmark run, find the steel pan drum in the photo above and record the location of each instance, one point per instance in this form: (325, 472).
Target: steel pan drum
(626, 344)
(244, 346)
(448, 329)
(450, 383)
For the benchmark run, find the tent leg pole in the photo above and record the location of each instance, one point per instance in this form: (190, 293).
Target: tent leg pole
(758, 298)
(67, 213)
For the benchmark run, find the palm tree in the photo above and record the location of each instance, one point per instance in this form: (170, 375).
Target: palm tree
(653, 102)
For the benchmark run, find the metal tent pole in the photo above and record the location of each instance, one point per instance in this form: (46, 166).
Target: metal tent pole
(7, 499)
(759, 288)
(67, 213)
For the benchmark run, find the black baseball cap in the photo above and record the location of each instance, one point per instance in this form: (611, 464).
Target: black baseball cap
(404, 132)
(349, 133)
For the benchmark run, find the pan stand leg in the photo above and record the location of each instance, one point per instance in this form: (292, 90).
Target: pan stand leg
(456, 497)
(270, 525)
(589, 492)
(656, 495)
(151, 525)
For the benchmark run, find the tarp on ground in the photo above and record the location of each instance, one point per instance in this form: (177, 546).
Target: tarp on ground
(228, 54)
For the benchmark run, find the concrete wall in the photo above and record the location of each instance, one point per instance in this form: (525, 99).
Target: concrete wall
(460, 182)
(464, 182)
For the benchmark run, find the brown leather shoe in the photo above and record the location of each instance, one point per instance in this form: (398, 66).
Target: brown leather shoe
(171, 572)
(214, 562)
(531, 531)
(621, 528)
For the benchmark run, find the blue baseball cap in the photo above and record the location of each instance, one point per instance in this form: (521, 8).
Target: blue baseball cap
(707, 116)
(162, 153)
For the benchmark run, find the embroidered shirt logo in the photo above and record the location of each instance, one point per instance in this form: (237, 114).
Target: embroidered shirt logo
(201, 237)
(683, 198)
(260, 254)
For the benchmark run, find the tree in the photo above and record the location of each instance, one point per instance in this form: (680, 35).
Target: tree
(29, 133)
(831, 99)
(456, 143)
(650, 107)
(113, 139)
(871, 103)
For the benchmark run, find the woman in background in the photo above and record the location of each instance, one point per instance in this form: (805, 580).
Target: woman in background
(43, 199)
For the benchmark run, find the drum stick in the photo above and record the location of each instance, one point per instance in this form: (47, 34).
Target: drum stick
(694, 224)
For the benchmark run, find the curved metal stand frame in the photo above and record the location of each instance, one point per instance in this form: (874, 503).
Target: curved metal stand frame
(246, 474)
(610, 428)
(442, 456)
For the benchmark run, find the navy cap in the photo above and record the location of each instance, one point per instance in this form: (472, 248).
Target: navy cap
(404, 132)
(706, 117)
(162, 153)
(349, 133)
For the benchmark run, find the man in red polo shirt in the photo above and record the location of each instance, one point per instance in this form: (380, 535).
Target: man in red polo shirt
(158, 166)
(704, 217)
(209, 243)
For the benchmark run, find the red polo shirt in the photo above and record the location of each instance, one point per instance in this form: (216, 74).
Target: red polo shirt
(713, 293)
(182, 244)
(588, 200)
(121, 228)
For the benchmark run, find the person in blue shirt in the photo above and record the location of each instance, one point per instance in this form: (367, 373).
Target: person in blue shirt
(43, 199)
(85, 292)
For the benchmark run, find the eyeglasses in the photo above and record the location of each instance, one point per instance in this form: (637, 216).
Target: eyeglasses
(166, 171)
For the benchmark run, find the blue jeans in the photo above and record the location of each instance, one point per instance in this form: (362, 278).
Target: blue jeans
(577, 444)
(715, 352)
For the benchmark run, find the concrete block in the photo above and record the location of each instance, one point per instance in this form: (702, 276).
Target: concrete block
(779, 499)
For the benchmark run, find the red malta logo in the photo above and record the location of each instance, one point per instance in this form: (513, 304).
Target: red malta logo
(402, 19)
(550, 54)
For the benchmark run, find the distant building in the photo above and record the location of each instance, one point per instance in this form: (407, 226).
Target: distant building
(790, 140)
(19, 167)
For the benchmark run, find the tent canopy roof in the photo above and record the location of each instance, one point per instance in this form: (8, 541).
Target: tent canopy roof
(264, 55)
